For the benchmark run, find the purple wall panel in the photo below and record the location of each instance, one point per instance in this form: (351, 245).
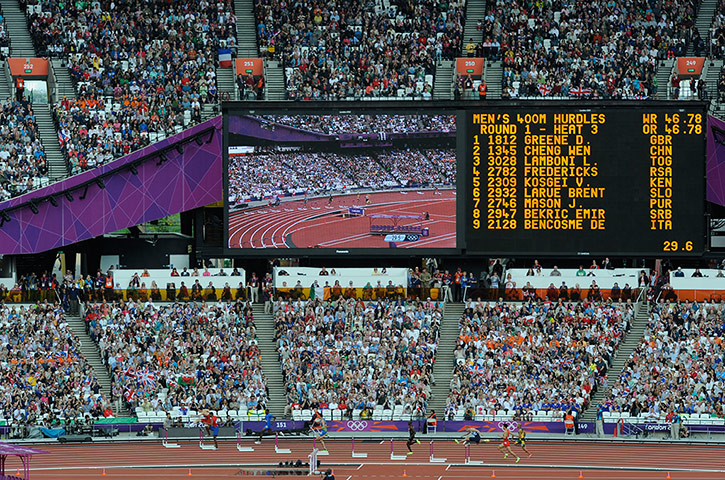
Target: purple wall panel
(184, 182)
(715, 161)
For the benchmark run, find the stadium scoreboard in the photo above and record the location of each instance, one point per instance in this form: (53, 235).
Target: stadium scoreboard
(562, 179)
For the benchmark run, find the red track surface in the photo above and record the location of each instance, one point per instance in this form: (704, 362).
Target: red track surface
(315, 224)
(550, 461)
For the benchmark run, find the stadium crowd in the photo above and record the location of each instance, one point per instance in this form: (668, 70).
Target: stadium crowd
(22, 158)
(677, 367)
(353, 354)
(593, 49)
(45, 376)
(138, 67)
(528, 357)
(272, 174)
(337, 124)
(351, 50)
(194, 355)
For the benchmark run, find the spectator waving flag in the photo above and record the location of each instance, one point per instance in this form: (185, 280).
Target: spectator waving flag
(544, 90)
(146, 379)
(225, 58)
(128, 394)
(580, 92)
(62, 137)
(186, 380)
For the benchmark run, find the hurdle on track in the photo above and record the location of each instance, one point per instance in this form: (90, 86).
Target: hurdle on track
(433, 458)
(313, 462)
(280, 450)
(357, 455)
(165, 439)
(467, 456)
(202, 445)
(314, 447)
(393, 456)
(240, 447)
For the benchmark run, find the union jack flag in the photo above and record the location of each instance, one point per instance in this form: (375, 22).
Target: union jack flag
(146, 379)
(580, 92)
(544, 90)
(128, 394)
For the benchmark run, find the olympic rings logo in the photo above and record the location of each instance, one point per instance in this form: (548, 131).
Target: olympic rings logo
(357, 426)
(513, 426)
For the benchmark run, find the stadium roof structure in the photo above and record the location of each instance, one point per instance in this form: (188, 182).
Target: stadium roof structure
(25, 453)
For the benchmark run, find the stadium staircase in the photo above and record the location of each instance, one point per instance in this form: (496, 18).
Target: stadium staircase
(475, 11)
(21, 45)
(493, 76)
(443, 81)
(703, 22)
(629, 343)
(246, 29)
(6, 89)
(93, 356)
(270, 361)
(57, 164)
(274, 76)
(63, 82)
(711, 74)
(664, 72)
(443, 368)
(225, 82)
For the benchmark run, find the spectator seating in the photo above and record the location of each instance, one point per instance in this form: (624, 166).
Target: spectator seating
(677, 367)
(346, 355)
(132, 88)
(585, 50)
(22, 159)
(45, 376)
(219, 348)
(514, 359)
(358, 50)
(271, 174)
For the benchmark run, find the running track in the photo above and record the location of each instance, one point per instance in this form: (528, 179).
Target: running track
(296, 224)
(551, 460)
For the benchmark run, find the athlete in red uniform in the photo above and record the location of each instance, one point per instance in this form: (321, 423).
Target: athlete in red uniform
(506, 444)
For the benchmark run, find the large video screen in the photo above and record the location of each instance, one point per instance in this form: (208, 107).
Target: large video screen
(605, 179)
(350, 180)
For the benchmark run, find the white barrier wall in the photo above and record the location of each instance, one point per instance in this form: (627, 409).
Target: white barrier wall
(162, 277)
(359, 277)
(604, 278)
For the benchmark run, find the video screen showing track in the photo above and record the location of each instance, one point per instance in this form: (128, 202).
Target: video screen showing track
(341, 181)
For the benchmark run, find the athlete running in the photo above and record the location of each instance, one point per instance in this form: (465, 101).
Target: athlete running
(506, 444)
(411, 438)
(521, 442)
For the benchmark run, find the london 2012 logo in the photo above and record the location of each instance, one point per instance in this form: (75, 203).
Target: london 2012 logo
(357, 426)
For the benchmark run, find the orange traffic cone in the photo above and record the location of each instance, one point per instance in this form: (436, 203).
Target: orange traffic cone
(17, 472)
(581, 475)
(493, 473)
(189, 474)
(668, 476)
(103, 473)
(405, 474)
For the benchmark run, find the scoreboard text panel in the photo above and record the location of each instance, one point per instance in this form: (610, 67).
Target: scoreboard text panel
(600, 180)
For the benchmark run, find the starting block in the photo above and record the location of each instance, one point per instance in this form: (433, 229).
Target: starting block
(433, 458)
(357, 455)
(393, 456)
